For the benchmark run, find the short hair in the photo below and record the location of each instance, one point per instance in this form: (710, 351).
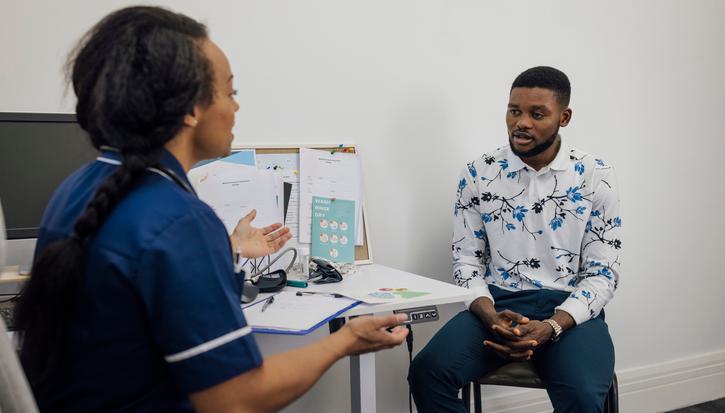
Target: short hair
(546, 77)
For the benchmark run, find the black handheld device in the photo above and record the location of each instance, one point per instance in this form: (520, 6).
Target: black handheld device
(323, 272)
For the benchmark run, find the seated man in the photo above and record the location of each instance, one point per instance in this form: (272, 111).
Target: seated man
(537, 237)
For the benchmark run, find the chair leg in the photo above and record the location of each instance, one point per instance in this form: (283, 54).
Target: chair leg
(611, 405)
(477, 398)
(466, 396)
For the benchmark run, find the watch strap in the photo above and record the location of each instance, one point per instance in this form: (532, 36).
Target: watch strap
(556, 327)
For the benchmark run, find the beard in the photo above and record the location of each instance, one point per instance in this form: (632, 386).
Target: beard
(536, 149)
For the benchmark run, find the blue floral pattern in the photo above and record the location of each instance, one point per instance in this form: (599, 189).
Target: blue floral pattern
(556, 228)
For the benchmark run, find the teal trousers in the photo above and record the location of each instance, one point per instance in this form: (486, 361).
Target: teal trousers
(577, 369)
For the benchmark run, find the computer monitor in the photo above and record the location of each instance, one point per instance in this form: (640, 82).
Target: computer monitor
(37, 151)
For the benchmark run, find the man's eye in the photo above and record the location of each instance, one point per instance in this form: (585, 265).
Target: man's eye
(537, 116)
(514, 111)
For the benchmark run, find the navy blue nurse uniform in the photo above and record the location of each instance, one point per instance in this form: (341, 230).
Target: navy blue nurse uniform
(158, 315)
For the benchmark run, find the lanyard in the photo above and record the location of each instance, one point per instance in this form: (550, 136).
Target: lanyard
(173, 177)
(160, 170)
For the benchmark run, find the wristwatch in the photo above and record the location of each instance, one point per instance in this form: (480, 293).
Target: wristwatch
(556, 327)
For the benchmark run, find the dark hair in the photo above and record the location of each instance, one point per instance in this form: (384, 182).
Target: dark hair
(547, 78)
(136, 74)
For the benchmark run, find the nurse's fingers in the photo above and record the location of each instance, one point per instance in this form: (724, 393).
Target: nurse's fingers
(269, 229)
(282, 239)
(249, 217)
(277, 234)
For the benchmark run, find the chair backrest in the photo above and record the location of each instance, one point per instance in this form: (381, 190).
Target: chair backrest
(15, 394)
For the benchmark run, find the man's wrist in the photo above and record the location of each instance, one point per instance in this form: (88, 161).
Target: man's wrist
(555, 327)
(483, 308)
(564, 319)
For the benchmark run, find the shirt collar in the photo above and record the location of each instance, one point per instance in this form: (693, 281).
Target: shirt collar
(170, 162)
(167, 161)
(558, 164)
(561, 161)
(515, 163)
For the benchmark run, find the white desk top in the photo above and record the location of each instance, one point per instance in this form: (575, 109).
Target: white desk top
(11, 275)
(374, 276)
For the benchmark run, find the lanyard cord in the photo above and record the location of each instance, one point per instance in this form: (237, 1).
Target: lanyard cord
(160, 170)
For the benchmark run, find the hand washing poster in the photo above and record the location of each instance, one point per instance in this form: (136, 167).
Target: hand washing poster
(333, 229)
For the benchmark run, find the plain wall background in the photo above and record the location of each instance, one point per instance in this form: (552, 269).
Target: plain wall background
(422, 86)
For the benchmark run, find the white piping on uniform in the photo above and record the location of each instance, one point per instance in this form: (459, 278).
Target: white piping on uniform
(109, 160)
(209, 345)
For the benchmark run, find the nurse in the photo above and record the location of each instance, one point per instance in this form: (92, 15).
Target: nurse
(133, 304)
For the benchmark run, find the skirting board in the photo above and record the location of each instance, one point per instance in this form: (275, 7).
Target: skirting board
(649, 389)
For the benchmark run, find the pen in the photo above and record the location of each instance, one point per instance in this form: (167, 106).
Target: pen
(267, 302)
(336, 295)
(237, 255)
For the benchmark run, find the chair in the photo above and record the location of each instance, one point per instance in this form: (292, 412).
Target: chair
(523, 374)
(15, 394)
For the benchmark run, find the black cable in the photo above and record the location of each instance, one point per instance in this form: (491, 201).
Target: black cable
(409, 343)
(14, 297)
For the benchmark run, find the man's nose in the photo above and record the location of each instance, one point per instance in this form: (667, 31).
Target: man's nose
(523, 122)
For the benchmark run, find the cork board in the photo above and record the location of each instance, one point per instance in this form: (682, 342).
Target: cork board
(363, 253)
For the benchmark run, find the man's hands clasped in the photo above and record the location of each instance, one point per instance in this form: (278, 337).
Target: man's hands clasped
(516, 336)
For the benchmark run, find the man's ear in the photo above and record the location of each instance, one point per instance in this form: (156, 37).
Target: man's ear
(565, 117)
(192, 119)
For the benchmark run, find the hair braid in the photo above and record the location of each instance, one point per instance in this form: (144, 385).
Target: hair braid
(136, 74)
(59, 274)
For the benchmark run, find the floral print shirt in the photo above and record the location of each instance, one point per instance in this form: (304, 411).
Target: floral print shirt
(557, 228)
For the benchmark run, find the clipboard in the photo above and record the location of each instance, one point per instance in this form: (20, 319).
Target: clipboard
(291, 314)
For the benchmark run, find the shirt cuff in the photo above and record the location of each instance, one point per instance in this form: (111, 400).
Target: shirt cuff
(576, 309)
(479, 292)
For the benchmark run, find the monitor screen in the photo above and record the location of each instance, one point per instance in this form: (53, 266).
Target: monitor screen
(37, 151)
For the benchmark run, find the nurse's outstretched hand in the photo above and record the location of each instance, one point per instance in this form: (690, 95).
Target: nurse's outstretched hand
(369, 333)
(253, 242)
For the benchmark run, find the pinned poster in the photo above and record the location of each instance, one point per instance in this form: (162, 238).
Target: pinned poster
(333, 229)
(331, 174)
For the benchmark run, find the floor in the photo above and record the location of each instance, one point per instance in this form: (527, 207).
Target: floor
(714, 406)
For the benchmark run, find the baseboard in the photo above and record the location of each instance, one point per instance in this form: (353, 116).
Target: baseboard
(649, 389)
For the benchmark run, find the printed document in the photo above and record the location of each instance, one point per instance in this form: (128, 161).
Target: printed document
(331, 175)
(287, 166)
(232, 190)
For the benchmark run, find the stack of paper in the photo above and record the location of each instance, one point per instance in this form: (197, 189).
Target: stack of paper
(293, 314)
(287, 166)
(234, 189)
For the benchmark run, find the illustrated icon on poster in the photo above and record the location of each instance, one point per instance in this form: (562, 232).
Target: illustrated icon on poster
(333, 229)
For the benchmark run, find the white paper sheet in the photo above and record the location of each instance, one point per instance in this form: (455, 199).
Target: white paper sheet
(232, 190)
(287, 165)
(332, 175)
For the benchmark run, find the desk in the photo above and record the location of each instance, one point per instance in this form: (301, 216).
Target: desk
(10, 275)
(370, 278)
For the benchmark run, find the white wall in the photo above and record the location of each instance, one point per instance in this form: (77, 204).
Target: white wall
(422, 86)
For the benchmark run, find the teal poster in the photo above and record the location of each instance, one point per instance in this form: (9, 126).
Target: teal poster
(333, 229)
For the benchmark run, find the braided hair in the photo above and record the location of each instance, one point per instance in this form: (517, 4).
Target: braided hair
(136, 74)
